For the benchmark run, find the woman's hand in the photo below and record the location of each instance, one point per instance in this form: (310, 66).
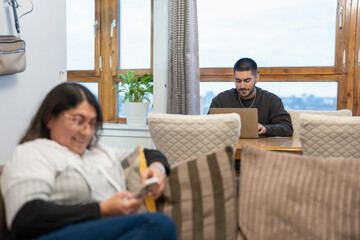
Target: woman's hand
(120, 204)
(154, 171)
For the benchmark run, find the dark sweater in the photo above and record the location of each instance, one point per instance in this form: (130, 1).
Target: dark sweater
(271, 112)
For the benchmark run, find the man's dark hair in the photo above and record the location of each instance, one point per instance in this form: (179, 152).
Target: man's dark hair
(246, 64)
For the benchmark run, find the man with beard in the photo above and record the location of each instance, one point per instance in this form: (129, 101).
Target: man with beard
(274, 120)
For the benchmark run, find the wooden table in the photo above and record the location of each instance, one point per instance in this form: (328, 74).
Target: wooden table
(280, 144)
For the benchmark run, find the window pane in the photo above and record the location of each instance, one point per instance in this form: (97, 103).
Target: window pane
(295, 95)
(273, 33)
(135, 34)
(80, 34)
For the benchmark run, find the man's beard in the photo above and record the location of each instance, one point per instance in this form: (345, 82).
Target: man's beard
(249, 94)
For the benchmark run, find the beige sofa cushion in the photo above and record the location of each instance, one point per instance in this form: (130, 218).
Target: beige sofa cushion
(295, 116)
(288, 196)
(200, 197)
(330, 136)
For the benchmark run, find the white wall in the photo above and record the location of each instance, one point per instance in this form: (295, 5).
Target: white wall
(44, 32)
(160, 71)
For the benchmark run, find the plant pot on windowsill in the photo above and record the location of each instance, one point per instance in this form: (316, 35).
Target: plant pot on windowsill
(136, 90)
(136, 113)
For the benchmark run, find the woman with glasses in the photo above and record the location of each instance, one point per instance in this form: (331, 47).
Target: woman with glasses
(62, 184)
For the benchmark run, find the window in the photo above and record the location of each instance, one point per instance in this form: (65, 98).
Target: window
(135, 41)
(278, 33)
(80, 34)
(298, 45)
(294, 42)
(106, 38)
(135, 34)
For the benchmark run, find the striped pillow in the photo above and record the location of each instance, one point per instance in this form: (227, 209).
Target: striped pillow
(288, 196)
(200, 197)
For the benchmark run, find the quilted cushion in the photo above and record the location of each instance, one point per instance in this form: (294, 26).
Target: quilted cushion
(200, 197)
(181, 137)
(289, 196)
(295, 116)
(330, 136)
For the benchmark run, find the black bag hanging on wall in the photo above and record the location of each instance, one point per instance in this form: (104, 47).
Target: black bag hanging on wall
(12, 50)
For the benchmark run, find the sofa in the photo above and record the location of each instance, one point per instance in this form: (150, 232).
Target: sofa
(278, 196)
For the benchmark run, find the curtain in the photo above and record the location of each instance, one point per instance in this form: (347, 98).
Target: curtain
(183, 59)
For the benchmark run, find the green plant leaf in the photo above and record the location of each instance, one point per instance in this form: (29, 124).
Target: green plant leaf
(135, 88)
(130, 75)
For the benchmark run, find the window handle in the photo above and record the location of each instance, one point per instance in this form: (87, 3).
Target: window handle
(96, 26)
(341, 12)
(113, 24)
(100, 63)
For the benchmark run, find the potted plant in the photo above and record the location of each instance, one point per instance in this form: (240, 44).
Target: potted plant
(136, 90)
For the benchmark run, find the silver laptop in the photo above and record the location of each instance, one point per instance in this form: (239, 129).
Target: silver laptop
(249, 120)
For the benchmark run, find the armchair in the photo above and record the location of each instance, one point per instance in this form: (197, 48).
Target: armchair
(181, 137)
(330, 136)
(295, 116)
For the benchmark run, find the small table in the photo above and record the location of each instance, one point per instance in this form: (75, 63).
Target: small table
(280, 144)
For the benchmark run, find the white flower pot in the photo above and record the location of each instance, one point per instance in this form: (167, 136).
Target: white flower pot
(136, 113)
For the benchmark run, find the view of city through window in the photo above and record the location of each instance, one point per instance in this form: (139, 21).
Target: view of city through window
(308, 95)
(304, 102)
(311, 96)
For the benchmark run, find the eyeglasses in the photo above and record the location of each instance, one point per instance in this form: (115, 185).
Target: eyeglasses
(80, 122)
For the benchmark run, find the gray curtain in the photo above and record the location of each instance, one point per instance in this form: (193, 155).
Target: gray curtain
(184, 72)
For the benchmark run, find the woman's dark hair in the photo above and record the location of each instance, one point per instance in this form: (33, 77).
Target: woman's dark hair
(62, 97)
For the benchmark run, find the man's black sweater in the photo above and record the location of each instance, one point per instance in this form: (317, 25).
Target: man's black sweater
(271, 112)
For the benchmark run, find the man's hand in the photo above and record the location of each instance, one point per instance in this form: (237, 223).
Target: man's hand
(261, 129)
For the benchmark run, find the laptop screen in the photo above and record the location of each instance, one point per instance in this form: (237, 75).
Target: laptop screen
(249, 120)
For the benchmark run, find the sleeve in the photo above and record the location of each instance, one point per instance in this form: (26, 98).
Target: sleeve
(37, 217)
(27, 176)
(215, 103)
(27, 182)
(280, 121)
(156, 156)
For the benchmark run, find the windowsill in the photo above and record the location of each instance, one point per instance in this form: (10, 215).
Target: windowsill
(124, 126)
(124, 130)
